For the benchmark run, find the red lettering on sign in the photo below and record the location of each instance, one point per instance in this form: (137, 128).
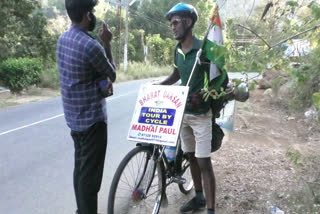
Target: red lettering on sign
(172, 98)
(149, 96)
(144, 128)
(170, 131)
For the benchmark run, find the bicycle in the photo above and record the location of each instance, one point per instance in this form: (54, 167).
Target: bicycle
(140, 181)
(151, 173)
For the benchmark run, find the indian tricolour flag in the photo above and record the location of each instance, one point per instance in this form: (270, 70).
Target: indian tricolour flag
(213, 47)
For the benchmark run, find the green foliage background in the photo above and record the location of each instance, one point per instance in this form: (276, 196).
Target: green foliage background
(23, 30)
(31, 29)
(253, 43)
(21, 73)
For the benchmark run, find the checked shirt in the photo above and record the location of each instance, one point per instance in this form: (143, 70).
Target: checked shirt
(82, 62)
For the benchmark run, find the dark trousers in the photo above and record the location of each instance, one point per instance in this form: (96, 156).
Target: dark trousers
(90, 150)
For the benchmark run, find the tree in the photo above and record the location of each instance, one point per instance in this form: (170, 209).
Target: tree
(23, 32)
(150, 15)
(161, 50)
(205, 12)
(59, 5)
(15, 11)
(151, 19)
(256, 41)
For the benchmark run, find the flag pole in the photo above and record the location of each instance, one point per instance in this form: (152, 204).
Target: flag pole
(197, 61)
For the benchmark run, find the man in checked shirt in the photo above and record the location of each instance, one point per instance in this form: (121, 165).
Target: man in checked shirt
(82, 64)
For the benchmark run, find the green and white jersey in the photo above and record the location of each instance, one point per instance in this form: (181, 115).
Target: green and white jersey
(184, 63)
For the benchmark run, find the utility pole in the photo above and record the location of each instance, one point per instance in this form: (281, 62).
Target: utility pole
(125, 52)
(145, 47)
(119, 34)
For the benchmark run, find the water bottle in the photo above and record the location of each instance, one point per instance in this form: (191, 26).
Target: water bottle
(170, 152)
(273, 209)
(276, 210)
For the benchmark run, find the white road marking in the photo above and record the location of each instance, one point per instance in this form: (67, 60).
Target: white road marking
(32, 124)
(122, 95)
(57, 116)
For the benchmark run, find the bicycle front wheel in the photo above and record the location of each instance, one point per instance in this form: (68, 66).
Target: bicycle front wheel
(138, 184)
(186, 174)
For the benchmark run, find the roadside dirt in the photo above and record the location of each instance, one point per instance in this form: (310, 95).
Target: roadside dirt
(32, 95)
(270, 158)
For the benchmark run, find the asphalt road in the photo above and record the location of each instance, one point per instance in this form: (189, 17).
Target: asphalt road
(36, 155)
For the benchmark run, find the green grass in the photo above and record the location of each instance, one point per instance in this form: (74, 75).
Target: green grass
(50, 78)
(138, 70)
(34, 91)
(305, 198)
(6, 104)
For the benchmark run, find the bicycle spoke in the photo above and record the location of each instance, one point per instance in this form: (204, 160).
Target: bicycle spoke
(138, 185)
(140, 167)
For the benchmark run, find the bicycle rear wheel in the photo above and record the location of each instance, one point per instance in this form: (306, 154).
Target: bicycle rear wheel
(138, 184)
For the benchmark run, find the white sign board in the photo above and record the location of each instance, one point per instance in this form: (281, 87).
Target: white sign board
(158, 114)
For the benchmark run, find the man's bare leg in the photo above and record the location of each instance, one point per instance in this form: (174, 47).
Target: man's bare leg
(209, 182)
(195, 172)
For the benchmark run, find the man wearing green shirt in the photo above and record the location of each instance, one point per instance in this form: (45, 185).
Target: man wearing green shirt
(196, 128)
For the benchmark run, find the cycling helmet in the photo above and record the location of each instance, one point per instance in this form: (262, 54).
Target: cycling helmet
(241, 92)
(184, 10)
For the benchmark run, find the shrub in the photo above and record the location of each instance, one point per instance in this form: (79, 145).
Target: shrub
(160, 51)
(50, 77)
(21, 73)
(307, 82)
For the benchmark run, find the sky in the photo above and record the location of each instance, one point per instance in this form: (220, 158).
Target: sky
(235, 8)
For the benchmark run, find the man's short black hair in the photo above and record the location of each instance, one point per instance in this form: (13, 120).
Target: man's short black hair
(77, 8)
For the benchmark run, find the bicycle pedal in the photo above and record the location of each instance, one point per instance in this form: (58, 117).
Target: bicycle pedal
(178, 180)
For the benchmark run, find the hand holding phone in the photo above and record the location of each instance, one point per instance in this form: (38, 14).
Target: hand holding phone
(106, 87)
(105, 33)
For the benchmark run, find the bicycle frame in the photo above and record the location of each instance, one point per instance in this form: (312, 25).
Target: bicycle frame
(146, 179)
(171, 170)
